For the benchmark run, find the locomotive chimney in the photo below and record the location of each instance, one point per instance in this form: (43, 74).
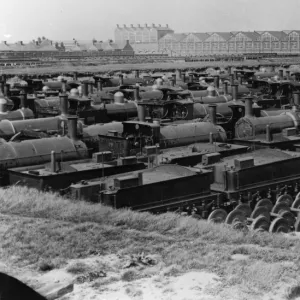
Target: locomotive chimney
(234, 91)
(229, 70)
(23, 100)
(136, 92)
(64, 104)
(75, 76)
(174, 79)
(6, 89)
(212, 111)
(2, 87)
(280, 74)
(183, 77)
(249, 107)
(91, 87)
(231, 79)
(136, 74)
(178, 74)
(191, 77)
(64, 86)
(121, 80)
(72, 127)
(296, 97)
(240, 79)
(235, 74)
(141, 112)
(99, 85)
(53, 162)
(217, 81)
(225, 87)
(84, 89)
(268, 134)
(4, 78)
(287, 73)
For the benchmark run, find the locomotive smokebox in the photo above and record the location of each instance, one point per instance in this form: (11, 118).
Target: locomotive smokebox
(216, 81)
(296, 97)
(280, 74)
(212, 110)
(249, 107)
(234, 91)
(121, 80)
(64, 104)
(72, 127)
(23, 100)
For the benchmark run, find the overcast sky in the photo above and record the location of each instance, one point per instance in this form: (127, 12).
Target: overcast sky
(68, 19)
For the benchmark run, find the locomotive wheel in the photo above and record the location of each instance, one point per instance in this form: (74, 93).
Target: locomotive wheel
(217, 216)
(296, 203)
(280, 207)
(260, 223)
(285, 199)
(261, 211)
(240, 226)
(266, 203)
(244, 208)
(289, 216)
(279, 225)
(235, 216)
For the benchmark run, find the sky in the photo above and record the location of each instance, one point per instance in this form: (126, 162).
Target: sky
(84, 20)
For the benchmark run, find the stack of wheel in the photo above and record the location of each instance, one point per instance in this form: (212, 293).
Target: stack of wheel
(283, 216)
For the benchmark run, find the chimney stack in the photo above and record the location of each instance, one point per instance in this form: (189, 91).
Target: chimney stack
(72, 127)
(212, 110)
(64, 104)
(234, 91)
(249, 107)
(23, 100)
(217, 81)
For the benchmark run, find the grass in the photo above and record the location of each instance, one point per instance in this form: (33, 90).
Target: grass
(43, 227)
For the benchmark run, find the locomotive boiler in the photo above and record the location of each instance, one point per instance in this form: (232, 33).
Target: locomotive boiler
(38, 151)
(249, 126)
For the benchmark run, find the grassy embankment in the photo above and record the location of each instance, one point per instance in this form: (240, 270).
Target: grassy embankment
(38, 228)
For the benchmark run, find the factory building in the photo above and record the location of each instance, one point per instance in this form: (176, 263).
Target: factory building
(162, 39)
